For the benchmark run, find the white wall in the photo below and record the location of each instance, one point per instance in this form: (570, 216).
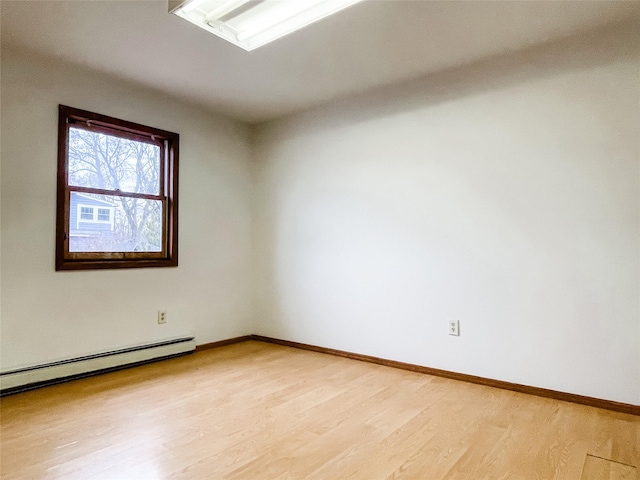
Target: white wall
(503, 194)
(49, 315)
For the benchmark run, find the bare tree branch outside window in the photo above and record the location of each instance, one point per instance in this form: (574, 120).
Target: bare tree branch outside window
(112, 163)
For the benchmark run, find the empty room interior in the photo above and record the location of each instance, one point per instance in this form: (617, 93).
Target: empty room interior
(401, 241)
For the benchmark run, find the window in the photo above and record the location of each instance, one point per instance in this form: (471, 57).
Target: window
(117, 193)
(104, 214)
(91, 214)
(86, 213)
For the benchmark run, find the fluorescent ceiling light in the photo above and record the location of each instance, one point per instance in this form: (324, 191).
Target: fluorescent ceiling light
(252, 23)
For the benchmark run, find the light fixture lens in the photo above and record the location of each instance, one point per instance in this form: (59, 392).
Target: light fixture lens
(250, 24)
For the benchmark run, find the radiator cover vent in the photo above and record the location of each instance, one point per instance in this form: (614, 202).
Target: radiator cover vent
(21, 379)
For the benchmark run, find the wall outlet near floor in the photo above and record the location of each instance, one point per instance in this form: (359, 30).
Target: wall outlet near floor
(454, 327)
(162, 317)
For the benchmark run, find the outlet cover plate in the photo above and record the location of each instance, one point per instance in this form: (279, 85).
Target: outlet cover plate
(454, 327)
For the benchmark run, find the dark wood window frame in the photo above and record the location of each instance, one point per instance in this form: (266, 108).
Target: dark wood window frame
(168, 193)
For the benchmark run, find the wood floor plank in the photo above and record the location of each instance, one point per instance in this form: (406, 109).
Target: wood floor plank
(261, 411)
(374, 458)
(615, 437)
(602, 469)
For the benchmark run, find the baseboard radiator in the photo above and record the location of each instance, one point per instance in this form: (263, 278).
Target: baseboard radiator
(27, 378)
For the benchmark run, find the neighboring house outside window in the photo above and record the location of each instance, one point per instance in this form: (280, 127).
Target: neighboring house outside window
(91, 222)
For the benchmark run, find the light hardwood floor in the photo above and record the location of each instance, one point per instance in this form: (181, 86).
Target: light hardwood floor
(259, 411)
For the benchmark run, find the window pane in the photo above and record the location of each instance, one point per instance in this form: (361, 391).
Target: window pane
(103, 214)
(105, 161)
(86, 213)
(136, 225)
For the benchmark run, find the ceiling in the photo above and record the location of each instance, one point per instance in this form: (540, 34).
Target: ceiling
(369, 45)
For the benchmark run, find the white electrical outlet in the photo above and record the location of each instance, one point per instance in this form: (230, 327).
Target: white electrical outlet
(454, 327)
(162, 316)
